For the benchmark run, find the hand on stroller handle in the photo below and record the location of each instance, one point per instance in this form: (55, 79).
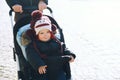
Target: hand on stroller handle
(50, 10)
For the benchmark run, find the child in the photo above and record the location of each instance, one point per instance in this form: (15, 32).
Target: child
(45, 52)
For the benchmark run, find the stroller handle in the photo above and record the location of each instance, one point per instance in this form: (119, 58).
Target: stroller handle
(10, 12)
(51, 11)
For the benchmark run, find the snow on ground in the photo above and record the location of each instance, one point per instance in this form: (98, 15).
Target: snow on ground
(91, 30)
(7, 64)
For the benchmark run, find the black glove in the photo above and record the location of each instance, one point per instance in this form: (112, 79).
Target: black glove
(58, 60)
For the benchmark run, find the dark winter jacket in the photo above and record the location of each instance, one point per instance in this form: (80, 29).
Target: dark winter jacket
(50, 54)
(27, 5)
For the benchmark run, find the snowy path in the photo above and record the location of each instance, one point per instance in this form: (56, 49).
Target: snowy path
(7, 65)
(91, 31)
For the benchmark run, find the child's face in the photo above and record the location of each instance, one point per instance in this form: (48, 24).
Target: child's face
(44, 35)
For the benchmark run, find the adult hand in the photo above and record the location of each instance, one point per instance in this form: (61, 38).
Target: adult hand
(42, 69)
(17, 8)
(42, 6)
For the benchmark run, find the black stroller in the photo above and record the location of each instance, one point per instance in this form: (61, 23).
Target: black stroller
(24, 68)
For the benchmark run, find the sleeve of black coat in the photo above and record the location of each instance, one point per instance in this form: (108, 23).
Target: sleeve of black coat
(46, 1)
(68, 52)
(12, 2)
(33, 57)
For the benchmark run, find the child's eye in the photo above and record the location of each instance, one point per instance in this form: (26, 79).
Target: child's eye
(41, 33)
(48, 31)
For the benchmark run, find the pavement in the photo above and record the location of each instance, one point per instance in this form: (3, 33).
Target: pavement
(98, 52)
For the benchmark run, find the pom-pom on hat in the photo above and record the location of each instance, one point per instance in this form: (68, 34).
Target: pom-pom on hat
(36, 15)
(40, 22)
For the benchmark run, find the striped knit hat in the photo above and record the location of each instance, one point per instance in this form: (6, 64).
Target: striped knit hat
(40, 22)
